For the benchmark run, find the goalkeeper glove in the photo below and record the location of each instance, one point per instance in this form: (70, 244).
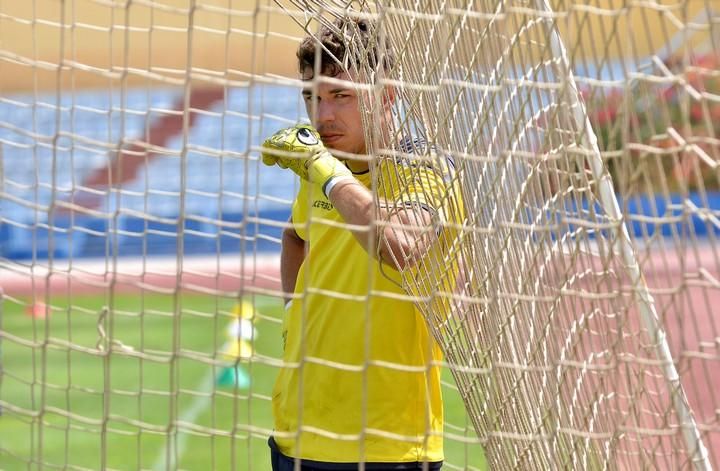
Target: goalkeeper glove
(300, 149)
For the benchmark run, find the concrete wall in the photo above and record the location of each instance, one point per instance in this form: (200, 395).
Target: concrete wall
(107, 44)
(104, 44)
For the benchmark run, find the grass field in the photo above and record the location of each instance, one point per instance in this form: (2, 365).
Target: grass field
(57, 387)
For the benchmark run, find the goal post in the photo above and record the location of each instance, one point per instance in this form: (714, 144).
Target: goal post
(646, 306)
(140, 303)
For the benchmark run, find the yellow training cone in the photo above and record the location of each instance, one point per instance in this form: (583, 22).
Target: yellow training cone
(244, 310)
(235, 349)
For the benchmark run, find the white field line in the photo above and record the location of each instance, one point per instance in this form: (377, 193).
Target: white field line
(189, 415)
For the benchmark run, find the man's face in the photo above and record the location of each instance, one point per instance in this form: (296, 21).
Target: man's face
(335, 112)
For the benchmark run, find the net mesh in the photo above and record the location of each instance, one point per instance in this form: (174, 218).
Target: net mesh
(553, 337)
(583, 140)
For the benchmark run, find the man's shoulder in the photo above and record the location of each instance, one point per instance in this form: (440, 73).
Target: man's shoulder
(417, 152)
(413, 145)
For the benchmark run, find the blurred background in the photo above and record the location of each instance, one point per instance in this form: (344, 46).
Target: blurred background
(121, 115)
(140, 308)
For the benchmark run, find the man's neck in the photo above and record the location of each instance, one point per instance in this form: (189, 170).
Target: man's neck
(357, 166)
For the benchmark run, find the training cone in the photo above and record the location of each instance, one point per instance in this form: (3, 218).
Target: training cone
(37, 310)
(241, 329)
(244, 310)
(235, 349)
(233, 376)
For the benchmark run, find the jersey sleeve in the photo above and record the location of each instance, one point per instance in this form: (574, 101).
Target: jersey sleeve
(423, 185)
(427, 185)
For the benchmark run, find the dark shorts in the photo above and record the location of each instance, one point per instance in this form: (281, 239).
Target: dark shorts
(281, 462)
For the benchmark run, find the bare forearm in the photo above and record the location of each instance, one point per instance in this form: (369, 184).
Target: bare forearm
(400, 241)
(292, 254)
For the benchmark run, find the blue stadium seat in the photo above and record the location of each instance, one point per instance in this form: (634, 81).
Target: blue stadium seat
(30, 240)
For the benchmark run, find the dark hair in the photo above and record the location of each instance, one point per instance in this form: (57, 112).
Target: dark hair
(348, 41)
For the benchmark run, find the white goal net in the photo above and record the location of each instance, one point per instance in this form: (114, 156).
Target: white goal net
(139, 295)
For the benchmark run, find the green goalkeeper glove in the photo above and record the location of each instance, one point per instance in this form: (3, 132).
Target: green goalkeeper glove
(300, 149)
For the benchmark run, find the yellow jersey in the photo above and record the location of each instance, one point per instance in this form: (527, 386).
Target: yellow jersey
(361, 374)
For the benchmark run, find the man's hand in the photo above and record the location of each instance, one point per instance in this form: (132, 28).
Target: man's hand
(300, 149)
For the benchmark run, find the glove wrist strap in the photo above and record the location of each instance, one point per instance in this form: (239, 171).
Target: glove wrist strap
(332, 181)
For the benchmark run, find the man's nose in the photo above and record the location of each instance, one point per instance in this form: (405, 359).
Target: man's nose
(325, 112)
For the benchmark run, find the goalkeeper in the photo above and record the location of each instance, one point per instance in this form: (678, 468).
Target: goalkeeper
(361, 377)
